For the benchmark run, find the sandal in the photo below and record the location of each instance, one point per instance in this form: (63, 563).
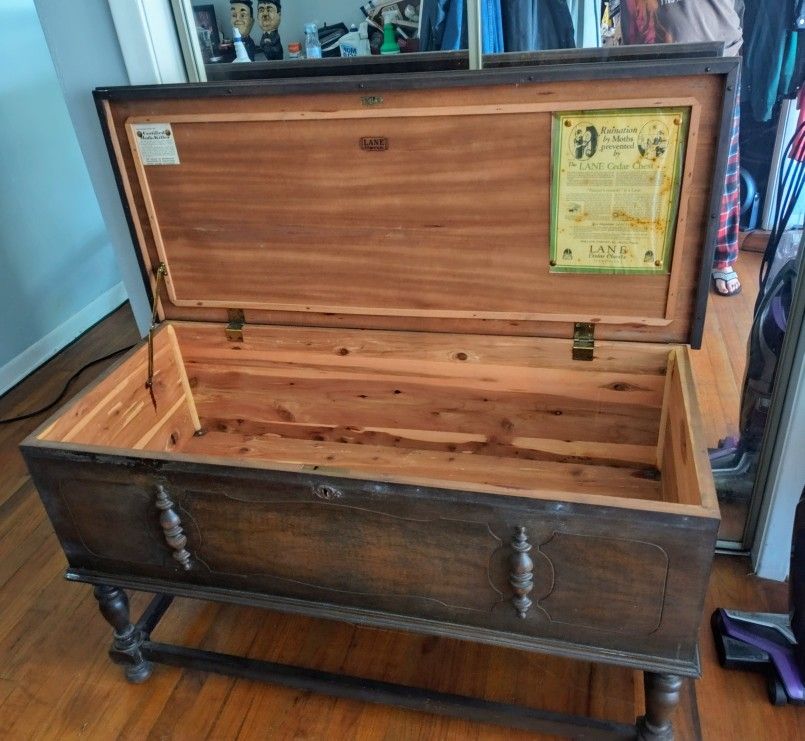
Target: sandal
(727, 276)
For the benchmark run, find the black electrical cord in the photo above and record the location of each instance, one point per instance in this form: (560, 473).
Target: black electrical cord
(790, 184)
(63, 393)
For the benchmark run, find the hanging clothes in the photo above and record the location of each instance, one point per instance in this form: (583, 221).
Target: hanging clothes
(507, 25)
(455, 26)
(586, 17)
(638, 22)
(433, 15)
(492, 27)
(535, 25)
(774, 54)
(444, 26)
(682, 21)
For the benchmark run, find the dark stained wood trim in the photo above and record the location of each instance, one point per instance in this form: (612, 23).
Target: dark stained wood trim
(385, 620)
(438, 61)
(424, 80)
(389, 693)
(731, 89)
(124, 202)
(696, 518)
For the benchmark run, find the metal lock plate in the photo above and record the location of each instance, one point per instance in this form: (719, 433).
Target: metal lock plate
(234, 330)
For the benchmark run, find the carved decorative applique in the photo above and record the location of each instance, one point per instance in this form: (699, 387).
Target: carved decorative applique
(522, 572)
(172, 527)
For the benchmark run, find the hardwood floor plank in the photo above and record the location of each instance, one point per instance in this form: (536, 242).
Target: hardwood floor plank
(195, 701)
(708, 389)
(733, 705)
(720, 364)
(187, 621)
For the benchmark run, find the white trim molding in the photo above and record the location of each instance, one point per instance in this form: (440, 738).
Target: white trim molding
(781, 469)
(42, 350)
(146, 32)
(188, 40)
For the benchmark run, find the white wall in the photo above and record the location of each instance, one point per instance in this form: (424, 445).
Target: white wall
(148, 41)
(58, 273)
(295, 13)
(86, 54)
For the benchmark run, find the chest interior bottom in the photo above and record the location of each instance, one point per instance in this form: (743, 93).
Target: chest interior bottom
(503, 414)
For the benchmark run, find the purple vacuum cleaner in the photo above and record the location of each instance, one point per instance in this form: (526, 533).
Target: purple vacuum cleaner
(768, 642)
(734, 461)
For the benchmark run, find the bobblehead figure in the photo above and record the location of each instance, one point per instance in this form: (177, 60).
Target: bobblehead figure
(242, 12)
(269, 16)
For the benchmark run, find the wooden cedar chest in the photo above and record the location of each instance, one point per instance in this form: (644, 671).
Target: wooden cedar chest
(364, 403)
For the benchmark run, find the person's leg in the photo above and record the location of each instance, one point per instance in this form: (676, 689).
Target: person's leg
(725, 279)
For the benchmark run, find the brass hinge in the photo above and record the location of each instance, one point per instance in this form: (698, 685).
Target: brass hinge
(234, 330)
(583, 341)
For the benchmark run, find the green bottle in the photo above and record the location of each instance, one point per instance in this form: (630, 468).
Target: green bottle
(389, 40)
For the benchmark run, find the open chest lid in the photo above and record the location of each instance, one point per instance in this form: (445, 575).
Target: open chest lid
(510, 201)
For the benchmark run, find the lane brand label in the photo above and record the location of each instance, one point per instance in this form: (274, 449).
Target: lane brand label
(374, 143)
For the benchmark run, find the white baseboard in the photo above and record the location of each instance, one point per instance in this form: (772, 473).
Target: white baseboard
(42, 350)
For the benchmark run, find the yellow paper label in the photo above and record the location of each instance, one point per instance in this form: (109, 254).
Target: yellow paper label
(616, 176)
(155, 144)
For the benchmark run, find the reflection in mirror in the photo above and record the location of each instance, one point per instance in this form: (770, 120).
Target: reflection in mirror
(259, 31)
(517, 25)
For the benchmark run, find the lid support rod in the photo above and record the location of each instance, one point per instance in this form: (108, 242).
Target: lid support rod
(149, 383)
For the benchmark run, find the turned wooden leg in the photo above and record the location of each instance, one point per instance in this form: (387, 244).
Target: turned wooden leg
(662, 697)
(114, 604)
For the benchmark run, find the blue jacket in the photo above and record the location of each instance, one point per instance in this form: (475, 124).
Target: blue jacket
(507, 25)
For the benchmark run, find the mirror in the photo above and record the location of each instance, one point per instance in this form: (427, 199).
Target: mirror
(250, 39)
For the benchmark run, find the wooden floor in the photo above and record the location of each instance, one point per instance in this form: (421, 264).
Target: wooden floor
(56, 681)
(719, 366)
(719, 370)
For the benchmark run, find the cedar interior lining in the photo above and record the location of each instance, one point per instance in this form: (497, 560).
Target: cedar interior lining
(331, 253)
(454, 411)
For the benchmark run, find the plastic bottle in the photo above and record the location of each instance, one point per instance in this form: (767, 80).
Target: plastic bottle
(356, 42)
(241, 55)
(389, 40)
(312, 44)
